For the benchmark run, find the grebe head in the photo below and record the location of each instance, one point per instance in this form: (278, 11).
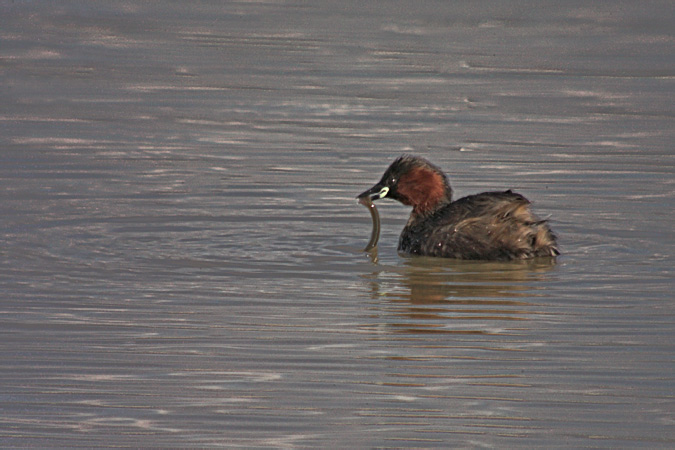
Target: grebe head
(413, 181)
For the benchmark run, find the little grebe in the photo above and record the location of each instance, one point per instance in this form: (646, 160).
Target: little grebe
(490, 226)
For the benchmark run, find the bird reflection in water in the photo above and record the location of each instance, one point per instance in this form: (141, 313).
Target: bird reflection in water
(437, 295)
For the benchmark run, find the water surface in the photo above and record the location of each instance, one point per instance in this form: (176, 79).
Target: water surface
(180, 244)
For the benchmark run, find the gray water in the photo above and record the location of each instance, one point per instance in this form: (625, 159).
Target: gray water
(180, 247)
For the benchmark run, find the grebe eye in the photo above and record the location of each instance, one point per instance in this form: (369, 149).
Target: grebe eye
(393, 181)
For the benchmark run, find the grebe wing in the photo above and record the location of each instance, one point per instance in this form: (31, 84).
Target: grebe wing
(492, 225)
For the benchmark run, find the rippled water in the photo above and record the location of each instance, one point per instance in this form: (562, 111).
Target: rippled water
(181, 248)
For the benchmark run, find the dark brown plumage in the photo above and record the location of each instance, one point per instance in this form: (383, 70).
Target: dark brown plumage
(489, 226)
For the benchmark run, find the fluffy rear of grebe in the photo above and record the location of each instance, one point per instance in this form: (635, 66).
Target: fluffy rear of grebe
(491, 225)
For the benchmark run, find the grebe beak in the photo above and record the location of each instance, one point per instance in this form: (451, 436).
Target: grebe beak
(375, 193)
